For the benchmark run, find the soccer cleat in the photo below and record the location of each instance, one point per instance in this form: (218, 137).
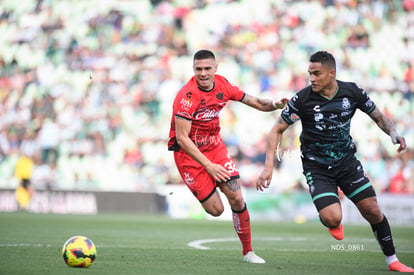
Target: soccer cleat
(337, 233)
(251, 257)
(398, 266)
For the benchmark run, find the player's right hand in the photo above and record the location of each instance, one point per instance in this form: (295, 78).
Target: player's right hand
(218, 172)
(264, 179)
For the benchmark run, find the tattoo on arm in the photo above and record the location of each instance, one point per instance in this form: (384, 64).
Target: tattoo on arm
(233, 185)
(382, 121)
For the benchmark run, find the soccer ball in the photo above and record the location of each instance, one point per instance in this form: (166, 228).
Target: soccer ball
(79, 251)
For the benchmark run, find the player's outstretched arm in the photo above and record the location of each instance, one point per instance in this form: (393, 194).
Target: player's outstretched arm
(265, 105)
(386, 124)
(273, 141)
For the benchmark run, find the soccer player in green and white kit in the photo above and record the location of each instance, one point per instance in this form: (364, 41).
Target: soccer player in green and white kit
(325, 109)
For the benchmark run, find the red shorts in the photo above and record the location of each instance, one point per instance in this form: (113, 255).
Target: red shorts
(196, 177)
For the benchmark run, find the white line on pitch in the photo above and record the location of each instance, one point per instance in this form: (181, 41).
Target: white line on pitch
(198, 244)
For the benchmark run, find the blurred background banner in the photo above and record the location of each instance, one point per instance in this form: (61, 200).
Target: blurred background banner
(176, 202)
(86, 202)
(86, 89)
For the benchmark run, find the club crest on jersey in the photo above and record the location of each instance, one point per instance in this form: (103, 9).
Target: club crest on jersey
(219, 96)
(345, 103)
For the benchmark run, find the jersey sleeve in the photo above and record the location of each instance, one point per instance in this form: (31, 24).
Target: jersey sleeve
(291, 113)
(365, 104)
(234, 92)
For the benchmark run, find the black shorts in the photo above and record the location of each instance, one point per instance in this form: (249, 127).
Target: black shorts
(323, 182)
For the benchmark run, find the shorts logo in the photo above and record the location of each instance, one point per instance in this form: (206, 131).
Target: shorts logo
(188, 179)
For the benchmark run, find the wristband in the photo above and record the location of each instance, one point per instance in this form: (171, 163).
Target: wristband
(274, 104)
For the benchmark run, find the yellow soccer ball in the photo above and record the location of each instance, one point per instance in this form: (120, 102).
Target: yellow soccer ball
(79, 251)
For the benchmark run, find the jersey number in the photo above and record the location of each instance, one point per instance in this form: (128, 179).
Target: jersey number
(230, 166)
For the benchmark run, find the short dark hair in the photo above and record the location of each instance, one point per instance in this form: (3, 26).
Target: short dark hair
(324, 58)
(204, 54)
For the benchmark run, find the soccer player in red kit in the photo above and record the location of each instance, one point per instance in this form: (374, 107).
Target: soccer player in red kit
(199, 152)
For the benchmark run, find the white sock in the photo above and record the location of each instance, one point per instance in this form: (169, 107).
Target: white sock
(390, 259)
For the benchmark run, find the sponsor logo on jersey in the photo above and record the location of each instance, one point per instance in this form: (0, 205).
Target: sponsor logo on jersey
(318, 117)
(294, 117)
(207, 115)
(369, 103)
(186, 102)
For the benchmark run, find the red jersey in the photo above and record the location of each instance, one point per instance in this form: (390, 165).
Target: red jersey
(203, 109)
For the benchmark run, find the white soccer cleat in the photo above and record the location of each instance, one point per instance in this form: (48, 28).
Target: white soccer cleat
(252, 258)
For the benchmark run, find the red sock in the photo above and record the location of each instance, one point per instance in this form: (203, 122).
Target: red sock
(241, 222)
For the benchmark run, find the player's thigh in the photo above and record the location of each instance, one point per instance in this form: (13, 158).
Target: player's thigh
(354, 182)
(213, 204)
(221, 156)
(195, 176)
(322, 186)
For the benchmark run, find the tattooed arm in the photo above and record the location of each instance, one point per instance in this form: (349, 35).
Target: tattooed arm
(265, 105)
(386, 124)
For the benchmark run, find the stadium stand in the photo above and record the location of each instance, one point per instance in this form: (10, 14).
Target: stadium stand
(86, 86)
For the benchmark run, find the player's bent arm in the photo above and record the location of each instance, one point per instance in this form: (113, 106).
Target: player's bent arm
(182, 131)
(386, 124)
(272, 144)
(265, 105)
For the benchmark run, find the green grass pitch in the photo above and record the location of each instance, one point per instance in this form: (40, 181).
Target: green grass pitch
(137, 244)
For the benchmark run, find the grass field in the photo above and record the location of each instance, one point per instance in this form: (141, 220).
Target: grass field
(136, 244)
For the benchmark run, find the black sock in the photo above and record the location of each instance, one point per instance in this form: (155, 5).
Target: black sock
(382, 232)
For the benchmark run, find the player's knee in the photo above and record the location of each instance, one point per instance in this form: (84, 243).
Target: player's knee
(331, 222)
(215, 211)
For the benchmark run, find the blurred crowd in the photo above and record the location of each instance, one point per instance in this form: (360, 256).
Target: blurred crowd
(86, 87)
